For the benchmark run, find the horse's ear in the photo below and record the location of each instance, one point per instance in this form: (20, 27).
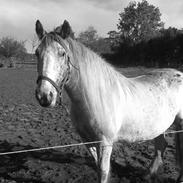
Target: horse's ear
(65, 30)
(39, 29)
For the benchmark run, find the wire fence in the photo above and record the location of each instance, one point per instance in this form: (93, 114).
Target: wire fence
(69, 145)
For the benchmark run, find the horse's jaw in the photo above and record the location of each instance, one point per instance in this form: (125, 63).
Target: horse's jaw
(73, 88)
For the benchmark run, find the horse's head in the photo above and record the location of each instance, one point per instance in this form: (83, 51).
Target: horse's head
(53, 63)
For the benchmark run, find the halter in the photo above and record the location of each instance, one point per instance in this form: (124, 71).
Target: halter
(66, 78)
(58, 88)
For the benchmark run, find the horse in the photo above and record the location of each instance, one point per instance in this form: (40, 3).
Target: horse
(106, 106)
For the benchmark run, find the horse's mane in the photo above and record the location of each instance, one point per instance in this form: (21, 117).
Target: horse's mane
(101, 84)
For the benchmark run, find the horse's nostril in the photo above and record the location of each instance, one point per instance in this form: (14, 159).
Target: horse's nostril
(44, 99)
(51, 95)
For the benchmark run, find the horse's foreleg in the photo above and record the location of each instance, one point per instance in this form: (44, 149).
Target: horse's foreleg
(179, 148)
(104, 154)
(160, 146)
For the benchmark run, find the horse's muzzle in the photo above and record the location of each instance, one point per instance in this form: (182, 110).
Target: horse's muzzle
(44, 99)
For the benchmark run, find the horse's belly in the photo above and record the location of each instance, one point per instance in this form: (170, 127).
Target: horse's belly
(145, 129)
(149, 117)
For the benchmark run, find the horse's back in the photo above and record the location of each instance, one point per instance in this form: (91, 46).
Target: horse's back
(170, 77)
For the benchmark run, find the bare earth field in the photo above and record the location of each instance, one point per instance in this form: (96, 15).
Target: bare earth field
(25, 125)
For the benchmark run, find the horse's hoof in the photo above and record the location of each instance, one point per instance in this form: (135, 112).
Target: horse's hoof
(147, 177)
(151, 178)
(180, 179)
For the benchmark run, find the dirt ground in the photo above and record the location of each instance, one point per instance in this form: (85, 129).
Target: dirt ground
(26, 125)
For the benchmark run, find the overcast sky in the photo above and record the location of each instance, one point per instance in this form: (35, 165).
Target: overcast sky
(17, 17)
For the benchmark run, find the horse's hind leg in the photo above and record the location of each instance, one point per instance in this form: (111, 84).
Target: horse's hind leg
(179, 148)
(160, 146)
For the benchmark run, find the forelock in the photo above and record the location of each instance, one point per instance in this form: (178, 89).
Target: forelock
(49, 38)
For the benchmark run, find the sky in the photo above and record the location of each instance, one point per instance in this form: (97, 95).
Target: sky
(18, 17)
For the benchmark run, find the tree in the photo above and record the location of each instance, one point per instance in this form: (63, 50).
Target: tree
(11, 48)
(114, 39)
(89, 37)
(34, 42)
(170, 33)
(139, 22)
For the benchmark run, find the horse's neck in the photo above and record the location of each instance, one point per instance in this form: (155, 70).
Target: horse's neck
(96, 83)
(101, 85)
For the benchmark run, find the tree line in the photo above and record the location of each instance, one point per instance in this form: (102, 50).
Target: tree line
(140, 39)
(11, 50)
(165, 50)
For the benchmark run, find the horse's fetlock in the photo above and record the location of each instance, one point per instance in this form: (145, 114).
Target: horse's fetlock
(104, 175)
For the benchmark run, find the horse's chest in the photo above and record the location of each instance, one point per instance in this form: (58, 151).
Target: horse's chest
(84, 123)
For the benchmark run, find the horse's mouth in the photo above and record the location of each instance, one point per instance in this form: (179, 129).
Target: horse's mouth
(44, 99)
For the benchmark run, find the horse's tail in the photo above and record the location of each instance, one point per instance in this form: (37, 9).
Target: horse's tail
(178, 152)
(178, 141)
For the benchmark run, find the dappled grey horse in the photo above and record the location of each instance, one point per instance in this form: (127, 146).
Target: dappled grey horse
(105, 105)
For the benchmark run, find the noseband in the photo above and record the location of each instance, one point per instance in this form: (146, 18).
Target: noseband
(41, 77)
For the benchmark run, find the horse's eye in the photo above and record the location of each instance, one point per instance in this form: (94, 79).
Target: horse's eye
(36, 53)
(63, 54)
